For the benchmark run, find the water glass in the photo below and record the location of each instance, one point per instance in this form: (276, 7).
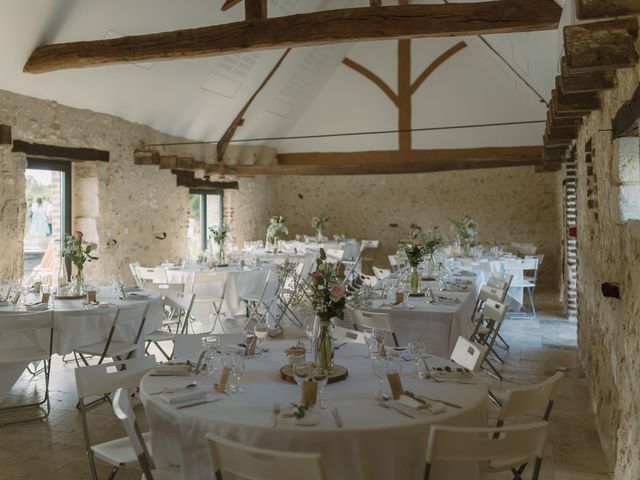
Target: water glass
(302, 372)
(237, 369)
(379, 366)
(321, 377)
(417, 351)
(261, 332)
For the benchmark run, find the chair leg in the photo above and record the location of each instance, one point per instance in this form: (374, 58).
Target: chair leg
(504, 342)
(494, 373)
(517, 474)
(112, 474)
(536, 469)
(494, 398)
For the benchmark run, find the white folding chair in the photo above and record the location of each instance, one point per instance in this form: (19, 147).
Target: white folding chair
(518, 269)
(501, 282)
(487, 329)
(353, 267)
(528, 399)
(242, 461)
(151, 275)
(259, 302)
(133, 267)
(26, 338)
(122, 409)
(347, 335)
(110, 348)
(335, 257)
(381, 273)
(104, 379)
(369, 245)
(289, 291)
(163, 288)
(513, 447)
(393, 262)
(210, 288)
(189, 345)
(179, 305)
(378, 321)
(468, 354)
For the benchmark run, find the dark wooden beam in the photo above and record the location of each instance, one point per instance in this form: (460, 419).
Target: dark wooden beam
(64, 153)
(627, 119)
(585, 82)
(597, 46)
(435, 64)
(561, 116)
(553, 140)
(229, 4)
(554, 154)
(377, 81)
(5, 135)
(548, 167)
(188, 179)
(255, 9)
(563, 121)
(579, 103)
(316, 28)
(592, 9)
(227, 136)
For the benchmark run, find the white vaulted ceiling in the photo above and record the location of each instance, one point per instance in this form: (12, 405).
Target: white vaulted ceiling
(311, 93)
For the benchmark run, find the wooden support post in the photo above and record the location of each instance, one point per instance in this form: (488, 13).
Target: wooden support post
(5, 135)
(255, 9)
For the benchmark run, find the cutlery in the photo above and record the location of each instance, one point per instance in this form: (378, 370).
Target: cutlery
(276, 413)
(210, 400)
(454, 405)
(174, 389)
(395, 409)
(339, 345)
(336, 417)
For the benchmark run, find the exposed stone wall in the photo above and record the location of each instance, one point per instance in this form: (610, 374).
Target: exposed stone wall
(115, 200)
(609, 251)
(510, 205)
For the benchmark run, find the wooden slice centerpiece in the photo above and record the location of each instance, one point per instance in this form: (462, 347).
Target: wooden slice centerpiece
(338, 374)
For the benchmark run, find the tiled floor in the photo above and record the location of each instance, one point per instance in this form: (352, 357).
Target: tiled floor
(54, 449)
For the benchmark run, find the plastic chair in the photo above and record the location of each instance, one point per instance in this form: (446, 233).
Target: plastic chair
(393, 262)
(122, 409)
(179, 304)
(347, 335)
(514, 446)
(151, 275)
(189, 345)
(110, 348)
(27, 327)
(258, 303)
(241, 461)
(381, 273)
(487, 329)
(378, 321)
(518, 269)
(133, 267)
(97, 380)
(468, 354)
(205, 287)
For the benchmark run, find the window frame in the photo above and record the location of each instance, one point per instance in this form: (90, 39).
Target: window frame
(204, 214)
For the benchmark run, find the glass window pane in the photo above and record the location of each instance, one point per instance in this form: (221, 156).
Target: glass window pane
(194, 234)
(214, 213)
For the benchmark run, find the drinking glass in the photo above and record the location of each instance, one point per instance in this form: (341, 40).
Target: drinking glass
(261, 332)
(302, 372)
(321, 377)
(237, 370)
(379, 365)
(370, 340)
(417, 351)
(309, 331)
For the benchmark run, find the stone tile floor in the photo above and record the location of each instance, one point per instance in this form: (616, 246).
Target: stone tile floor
(54, 449)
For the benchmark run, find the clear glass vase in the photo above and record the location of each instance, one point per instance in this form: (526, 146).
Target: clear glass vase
(221, 255)
(415, 281)
(324, 345)
(77, 283)
(319, 234)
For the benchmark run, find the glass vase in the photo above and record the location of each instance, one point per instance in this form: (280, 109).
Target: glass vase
(221, 255)
(415, 281)
(324, 345)
(77, 283)
(319, 234)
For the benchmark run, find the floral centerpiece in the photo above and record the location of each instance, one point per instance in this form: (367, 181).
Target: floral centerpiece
(467, 231)
(318, 223)
(329, 298)
(418, 244)
(218, 235)
(276, 230)
(78, 252)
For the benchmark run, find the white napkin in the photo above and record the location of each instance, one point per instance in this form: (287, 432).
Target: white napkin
(4, 303)
(184, 395)
(426, 407)
(310, 418)
(36, 307)
(171, 370)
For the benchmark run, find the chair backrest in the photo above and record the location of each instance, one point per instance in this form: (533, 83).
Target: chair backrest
(342, 334)
(124, 412)
(23, 331)
(381, 273)
(501, 282)
(334, 255)
(163, 288)
(364, 244)
(489, 293)
(242, 461)
(180, 305)
(515, 445)
(189, 345)
(24, 322)
(152, 275)
(493, 310)
(524, 400)
(539, 256)
(393, 261)
(133, 267)
(468, 354)
(206, 285)
(107, 377)
(379, 321)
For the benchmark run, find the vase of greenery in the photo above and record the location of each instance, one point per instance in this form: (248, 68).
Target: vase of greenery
(467, 232)
(418, 244)
(78, 252)
(276, 230)
(318, 223)
(217, 236)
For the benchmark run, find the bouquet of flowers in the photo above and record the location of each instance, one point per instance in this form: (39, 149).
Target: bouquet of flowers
(219, 235)
(467, 229)
(78, 252)
(420, 243)
(276, 229)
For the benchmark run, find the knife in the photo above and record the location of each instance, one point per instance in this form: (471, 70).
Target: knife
(336, 417)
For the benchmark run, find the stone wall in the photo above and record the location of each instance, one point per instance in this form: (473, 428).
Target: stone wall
(609, 251)
(510, 205)
(113, 200)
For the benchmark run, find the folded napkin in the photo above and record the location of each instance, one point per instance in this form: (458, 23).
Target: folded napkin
(421, 405)
(456, 373)
(170, 370)
(36, 307)
(465, 273)
(184, 395)
(4, 303)
(310, 418)
(137, 296)
(447, 300)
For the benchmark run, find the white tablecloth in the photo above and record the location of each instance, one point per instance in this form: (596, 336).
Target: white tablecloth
(374, 443)
(75, 326)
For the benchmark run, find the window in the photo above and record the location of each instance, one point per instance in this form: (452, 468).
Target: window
(205, 210)
(628, 166)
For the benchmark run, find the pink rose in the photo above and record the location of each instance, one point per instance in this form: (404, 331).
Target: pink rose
(315, 276)
(79, 234)
(337, 293)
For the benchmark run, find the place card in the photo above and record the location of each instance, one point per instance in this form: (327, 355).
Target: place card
(224, 378)
(381, 350)
(91, 296)
(309, 393)
(395, 384)
(15, 297)
(399, 297)
(45, 297)
(250, 347)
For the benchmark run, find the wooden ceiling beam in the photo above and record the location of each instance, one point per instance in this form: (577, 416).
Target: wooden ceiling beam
(255, 9)
(554, 154)
(592, 9)
(41, 150)
(578, 103)
(5, 135)
(306, 29)
(598, 46)
(585, 82)
(189, 180)
(229, 4)
(627, 119)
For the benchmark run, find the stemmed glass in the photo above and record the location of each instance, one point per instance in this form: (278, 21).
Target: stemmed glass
(237, 369)
(261, 332)
(302, 372)
(371, 341)
(309, 331)
(379, 365)
(417, 351)
(321, 377)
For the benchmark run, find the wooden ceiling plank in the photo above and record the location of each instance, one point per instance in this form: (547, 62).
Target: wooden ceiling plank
(57, 152)
(229, 4)
(593, 9)
(597, 46)
(365, 72)
(188, 179)
(306, 29)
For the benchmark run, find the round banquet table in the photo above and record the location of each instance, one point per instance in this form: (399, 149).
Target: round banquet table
(374, 443)
(74, 326)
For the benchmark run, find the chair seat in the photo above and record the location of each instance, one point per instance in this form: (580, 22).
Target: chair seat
(160, 336)
(165, 473)
(207, 299)
(116, 349)
(522, 284)
(119, 452)
(23, 354)
(251, 298)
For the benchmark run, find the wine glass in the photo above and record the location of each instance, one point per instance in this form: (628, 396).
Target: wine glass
(370, 340)
(261, 332)
(302, 372)
(379, 365)
(237, 370)
(321, 377)
(309, 331)
(417, 351)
